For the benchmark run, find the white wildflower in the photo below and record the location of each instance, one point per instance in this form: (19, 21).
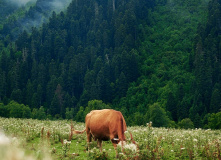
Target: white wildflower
(67, 142)
(131, 147)
(195, 140)
(120, 143)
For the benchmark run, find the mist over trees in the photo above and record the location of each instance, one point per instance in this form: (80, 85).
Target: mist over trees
(26, 14)
(152, 60)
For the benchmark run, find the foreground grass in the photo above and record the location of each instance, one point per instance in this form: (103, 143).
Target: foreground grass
(48, 140)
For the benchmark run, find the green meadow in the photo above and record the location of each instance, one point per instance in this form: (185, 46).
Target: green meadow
(47, 140)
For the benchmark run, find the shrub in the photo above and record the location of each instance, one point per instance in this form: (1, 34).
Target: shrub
(186, 124)
(214, 121)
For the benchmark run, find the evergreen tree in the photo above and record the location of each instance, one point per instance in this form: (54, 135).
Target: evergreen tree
(171, 105)
(122, 85)
(215, 105)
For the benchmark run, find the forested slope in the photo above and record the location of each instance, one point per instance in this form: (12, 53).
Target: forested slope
(153, 60)
(17, 16)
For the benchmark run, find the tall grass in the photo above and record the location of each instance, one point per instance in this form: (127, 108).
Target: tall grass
(47, 140)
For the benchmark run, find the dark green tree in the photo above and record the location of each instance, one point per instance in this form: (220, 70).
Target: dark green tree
(29, 93)
(215, 104)
(122, 85)
(197, 121)
(17, 95)
(171, 105)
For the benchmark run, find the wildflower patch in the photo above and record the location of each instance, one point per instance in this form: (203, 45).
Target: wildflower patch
(48, 140)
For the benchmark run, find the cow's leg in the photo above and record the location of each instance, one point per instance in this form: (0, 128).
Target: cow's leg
(88, 138)
(99, 144)
(115, 147)
(114, 142)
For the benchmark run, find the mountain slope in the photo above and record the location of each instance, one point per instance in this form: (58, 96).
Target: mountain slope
(150, 60)
(167, 61)
(87, 53)
(23, 15)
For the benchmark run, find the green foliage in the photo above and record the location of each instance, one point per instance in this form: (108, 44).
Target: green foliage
(97, 155)
(80, 115)
(92, 105)
(215, 100)
(3, 111)
(157, 115)
(39, 113)
(138, 119)
(16, 110)
(214, 121)
(152, 60)
(186, 124)
(26, 112)
(69, 114)
(97, 104)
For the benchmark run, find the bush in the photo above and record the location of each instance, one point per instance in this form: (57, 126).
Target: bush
(214, 121)
(15, 110)
(186, 124)
(69, 114)
(26, 112)
(39, 113)
(97, 155)
(157, 115)
(3, 111)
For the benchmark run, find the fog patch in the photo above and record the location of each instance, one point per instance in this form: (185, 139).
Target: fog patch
(20, 2)
(59, 5)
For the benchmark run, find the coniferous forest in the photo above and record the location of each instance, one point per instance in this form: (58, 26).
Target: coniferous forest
(153, 60)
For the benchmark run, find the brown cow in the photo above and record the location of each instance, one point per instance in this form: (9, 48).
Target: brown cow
(104, 125)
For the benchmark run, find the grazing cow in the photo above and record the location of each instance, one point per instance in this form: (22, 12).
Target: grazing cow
(104, 125)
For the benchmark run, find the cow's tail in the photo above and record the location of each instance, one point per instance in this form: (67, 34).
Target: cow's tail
(73, 131)
(121, 135)
(121, 130)
(76, 131)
